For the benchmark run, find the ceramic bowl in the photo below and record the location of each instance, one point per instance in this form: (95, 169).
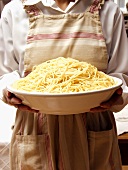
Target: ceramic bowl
(67, 103)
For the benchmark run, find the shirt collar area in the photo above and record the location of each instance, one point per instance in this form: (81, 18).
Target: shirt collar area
(31, 2)
(52, 2)
(54, 5)
(49, 3)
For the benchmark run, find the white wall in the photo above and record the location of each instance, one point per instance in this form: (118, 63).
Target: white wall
(7, 118)
(121, 2)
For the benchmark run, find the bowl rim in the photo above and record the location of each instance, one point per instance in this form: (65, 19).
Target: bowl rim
(14, 91)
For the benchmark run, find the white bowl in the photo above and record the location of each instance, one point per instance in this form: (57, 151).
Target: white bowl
(64, 104)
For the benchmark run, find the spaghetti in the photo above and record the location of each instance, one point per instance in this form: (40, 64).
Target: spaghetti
(64, 75)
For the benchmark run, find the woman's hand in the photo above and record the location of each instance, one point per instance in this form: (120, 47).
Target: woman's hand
(12, 100)
(108, 104)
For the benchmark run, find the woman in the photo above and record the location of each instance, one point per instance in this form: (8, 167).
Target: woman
(36, 31)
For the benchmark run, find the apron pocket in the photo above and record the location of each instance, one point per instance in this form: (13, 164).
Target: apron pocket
(32, 152)
(101, 149)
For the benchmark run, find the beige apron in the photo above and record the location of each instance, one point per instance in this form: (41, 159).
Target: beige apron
(85, 141)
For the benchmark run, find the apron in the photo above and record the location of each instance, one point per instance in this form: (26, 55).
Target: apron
(85, 141)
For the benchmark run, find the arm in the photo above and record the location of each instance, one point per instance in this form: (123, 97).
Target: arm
(118, 58)
(10, 61)
(117, 46)
(8, 64)
(118, 49)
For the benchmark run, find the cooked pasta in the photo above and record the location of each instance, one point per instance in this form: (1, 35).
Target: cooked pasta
(64, 75)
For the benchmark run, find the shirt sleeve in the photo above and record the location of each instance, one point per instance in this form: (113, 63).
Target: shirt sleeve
(117, 46)
(8, 64)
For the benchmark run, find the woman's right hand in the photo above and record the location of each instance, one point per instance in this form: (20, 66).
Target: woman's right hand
(12, 100)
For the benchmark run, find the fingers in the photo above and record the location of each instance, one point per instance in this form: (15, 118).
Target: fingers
(25, 108)
(11, 99)
(108, 104)
(98, 109)
(113, 99)
(119, 91)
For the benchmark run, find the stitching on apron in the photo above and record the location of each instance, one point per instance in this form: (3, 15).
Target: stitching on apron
(96, 6)
(32, 10)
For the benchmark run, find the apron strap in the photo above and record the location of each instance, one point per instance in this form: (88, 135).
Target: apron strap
(32, 10)
(96, 6)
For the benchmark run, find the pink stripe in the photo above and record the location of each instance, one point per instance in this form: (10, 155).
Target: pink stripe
(65, 36)
(47, 144)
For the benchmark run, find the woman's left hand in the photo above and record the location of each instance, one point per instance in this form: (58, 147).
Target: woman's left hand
(108, 104)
